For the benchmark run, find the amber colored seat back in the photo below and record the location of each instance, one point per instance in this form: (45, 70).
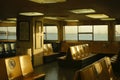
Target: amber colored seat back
(101, 70)
(45, 49)
(50, 48)
(13, 46)
(13, 67)
(88, 73)
(26, 64)
(6, 46)
(86, 49)
(73, 52)
(109, 68)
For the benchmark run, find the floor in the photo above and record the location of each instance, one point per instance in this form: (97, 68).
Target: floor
(54, 72)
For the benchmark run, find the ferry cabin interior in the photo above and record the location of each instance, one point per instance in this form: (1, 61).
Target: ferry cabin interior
(71, 37)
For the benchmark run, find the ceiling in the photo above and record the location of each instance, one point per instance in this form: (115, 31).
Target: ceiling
(11, 8)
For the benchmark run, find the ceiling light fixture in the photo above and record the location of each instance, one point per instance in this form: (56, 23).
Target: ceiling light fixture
(107, 19)
(50, 18)
(12, 19)
(47, 1)
(97, 15)
(8, 21)
(55, 18)
(83, 11)
(31, 14)
(72, 20)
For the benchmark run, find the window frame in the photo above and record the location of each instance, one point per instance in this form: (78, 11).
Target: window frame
(92, 33)
(7, 33)
(45, 32)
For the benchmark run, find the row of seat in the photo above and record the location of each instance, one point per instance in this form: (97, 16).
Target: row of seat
(18, 68)
(80, 51)
(99, 70)
(7, 49)
(78, 55)
(49, 54)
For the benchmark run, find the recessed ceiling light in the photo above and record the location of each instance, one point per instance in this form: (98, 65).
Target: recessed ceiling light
(82, 11)
(31, 14)
(107, 19)
(50, 17)
(47, 1)
(72, 20)
(8, 21)
(12, 19)
(97, 16)
(55, 18)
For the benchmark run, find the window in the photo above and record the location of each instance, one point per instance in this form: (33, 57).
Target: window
(117, 32)
(85, 32)
(100, 32)
(3, 32)
(50, 33)
(70, 33)
(93, 32)
(11, 32)
(8, 33)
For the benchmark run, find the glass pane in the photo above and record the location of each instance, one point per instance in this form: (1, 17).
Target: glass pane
(70, 32)
(12, 33)
(3, 32)
(85, 36)
(85, 28)
(51, 32)
(117, 32)
(100, 32)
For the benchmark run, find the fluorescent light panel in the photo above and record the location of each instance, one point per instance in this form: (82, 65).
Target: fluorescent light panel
(83, 11)
(31, 14)
(72, 20)
(8, 21)
(47, 1)
(12, 19)
(54, 18)
(107, 19)
(97, 16)
(50, 17)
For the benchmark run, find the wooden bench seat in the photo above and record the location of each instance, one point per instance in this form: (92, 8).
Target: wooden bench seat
(27, 69)
(7, 49)
(49, 54)
(99, 70)
(13, 68)
(78, 56)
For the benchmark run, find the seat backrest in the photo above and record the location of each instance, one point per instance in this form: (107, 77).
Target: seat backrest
(6, 47)
(88, 73)
(86, 49)
(13, 46)
(26, 64)
(3, 71)
(13, 67)
(109, 67)
(74, 52)
(47, 49)
(50, 48)
(101, 70)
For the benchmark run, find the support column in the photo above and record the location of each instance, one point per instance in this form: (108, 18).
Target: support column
(30, 38)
